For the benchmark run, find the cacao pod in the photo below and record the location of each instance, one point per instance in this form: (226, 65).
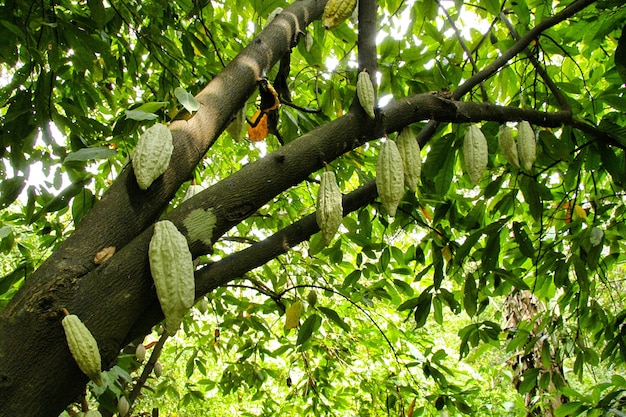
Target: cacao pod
(292, 315)
(123, 406)
(158, 369)
(475, 152)
(203, 305)
(311, 298)
(366, 94)
(93, 413)
(152, 154)
(526, 145)
(140, 352)
(507, 145)
(390, 176)
(411, 159)
(336, 11)
(172, 270)
(236, 128)
(192, 190)
(83, 347)
(329, 206)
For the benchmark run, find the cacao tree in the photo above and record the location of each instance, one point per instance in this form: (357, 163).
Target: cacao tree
(81, 81)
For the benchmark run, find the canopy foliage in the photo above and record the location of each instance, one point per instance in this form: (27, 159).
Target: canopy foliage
(500, 298)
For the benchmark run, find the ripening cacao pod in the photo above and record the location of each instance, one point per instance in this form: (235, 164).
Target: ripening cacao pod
(390, 176)
(411, 159)
(172, 270)
(366, 94)
(507, 145)
(192, 190)
(292, 315)
(475, 152)
(152, 154)
(526, 145)
(83, 347)
(122, 406)
(329, 206)
(336, 11)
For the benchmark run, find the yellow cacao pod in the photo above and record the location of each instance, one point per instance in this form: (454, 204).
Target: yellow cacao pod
(366, 94)
(526, 145)
(475, 152)
(172, 270)
(152, 154)
(507, 145)
(411, 159)
(336, 11)
(140, 352)
(390, 176)
(292, 315)
(329, 206)
(83, 347)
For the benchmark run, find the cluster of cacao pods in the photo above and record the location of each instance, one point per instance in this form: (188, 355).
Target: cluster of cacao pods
(522, 153)
(336, 11)
(172, 269)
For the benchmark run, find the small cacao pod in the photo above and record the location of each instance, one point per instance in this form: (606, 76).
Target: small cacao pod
(526, 145)
(203, 305)
(122, 406)
(329, 206)
(158, 369)
(366, 94)
(507, 145)
(83, 347)
(411, 159)
(336, 11)
(311, 298)
(192, 190)
(152, 154)
(140, 352)
(390, 176)
(172, 271)
(292, 315)
(475, 152)
(93, 413)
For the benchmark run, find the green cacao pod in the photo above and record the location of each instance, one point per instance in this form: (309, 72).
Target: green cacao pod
(526, 145)
(140, 352)
(236, 128)
(292, 315)
(192, 190)
(172, 270)
(329, 206)
(123, 406)
(411, 159)
(390, 176)
(507, 145)
(366, 94)
(83, 347)
(475, 152)
(152, 155)
(336, 11)
(311, 298)
(158, 369)
(93, 413)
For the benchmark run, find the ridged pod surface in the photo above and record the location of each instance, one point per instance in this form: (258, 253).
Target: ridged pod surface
(336, 11)
(507, 145)
(411, 158)
(152, 155)
(475, 152)
(366, 94)
(390, 176)
(329, 206)
(192, 190)
(526, 145)
(172, 270)
(83, 347)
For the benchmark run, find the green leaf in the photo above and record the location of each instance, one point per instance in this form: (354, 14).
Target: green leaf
(573, 408)
(86, 154)
(10, 189)
(523, 241)
(334, 317)
(139, 115)
(470, 295)
(188, 101)
(310, 325)
(422, 309)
